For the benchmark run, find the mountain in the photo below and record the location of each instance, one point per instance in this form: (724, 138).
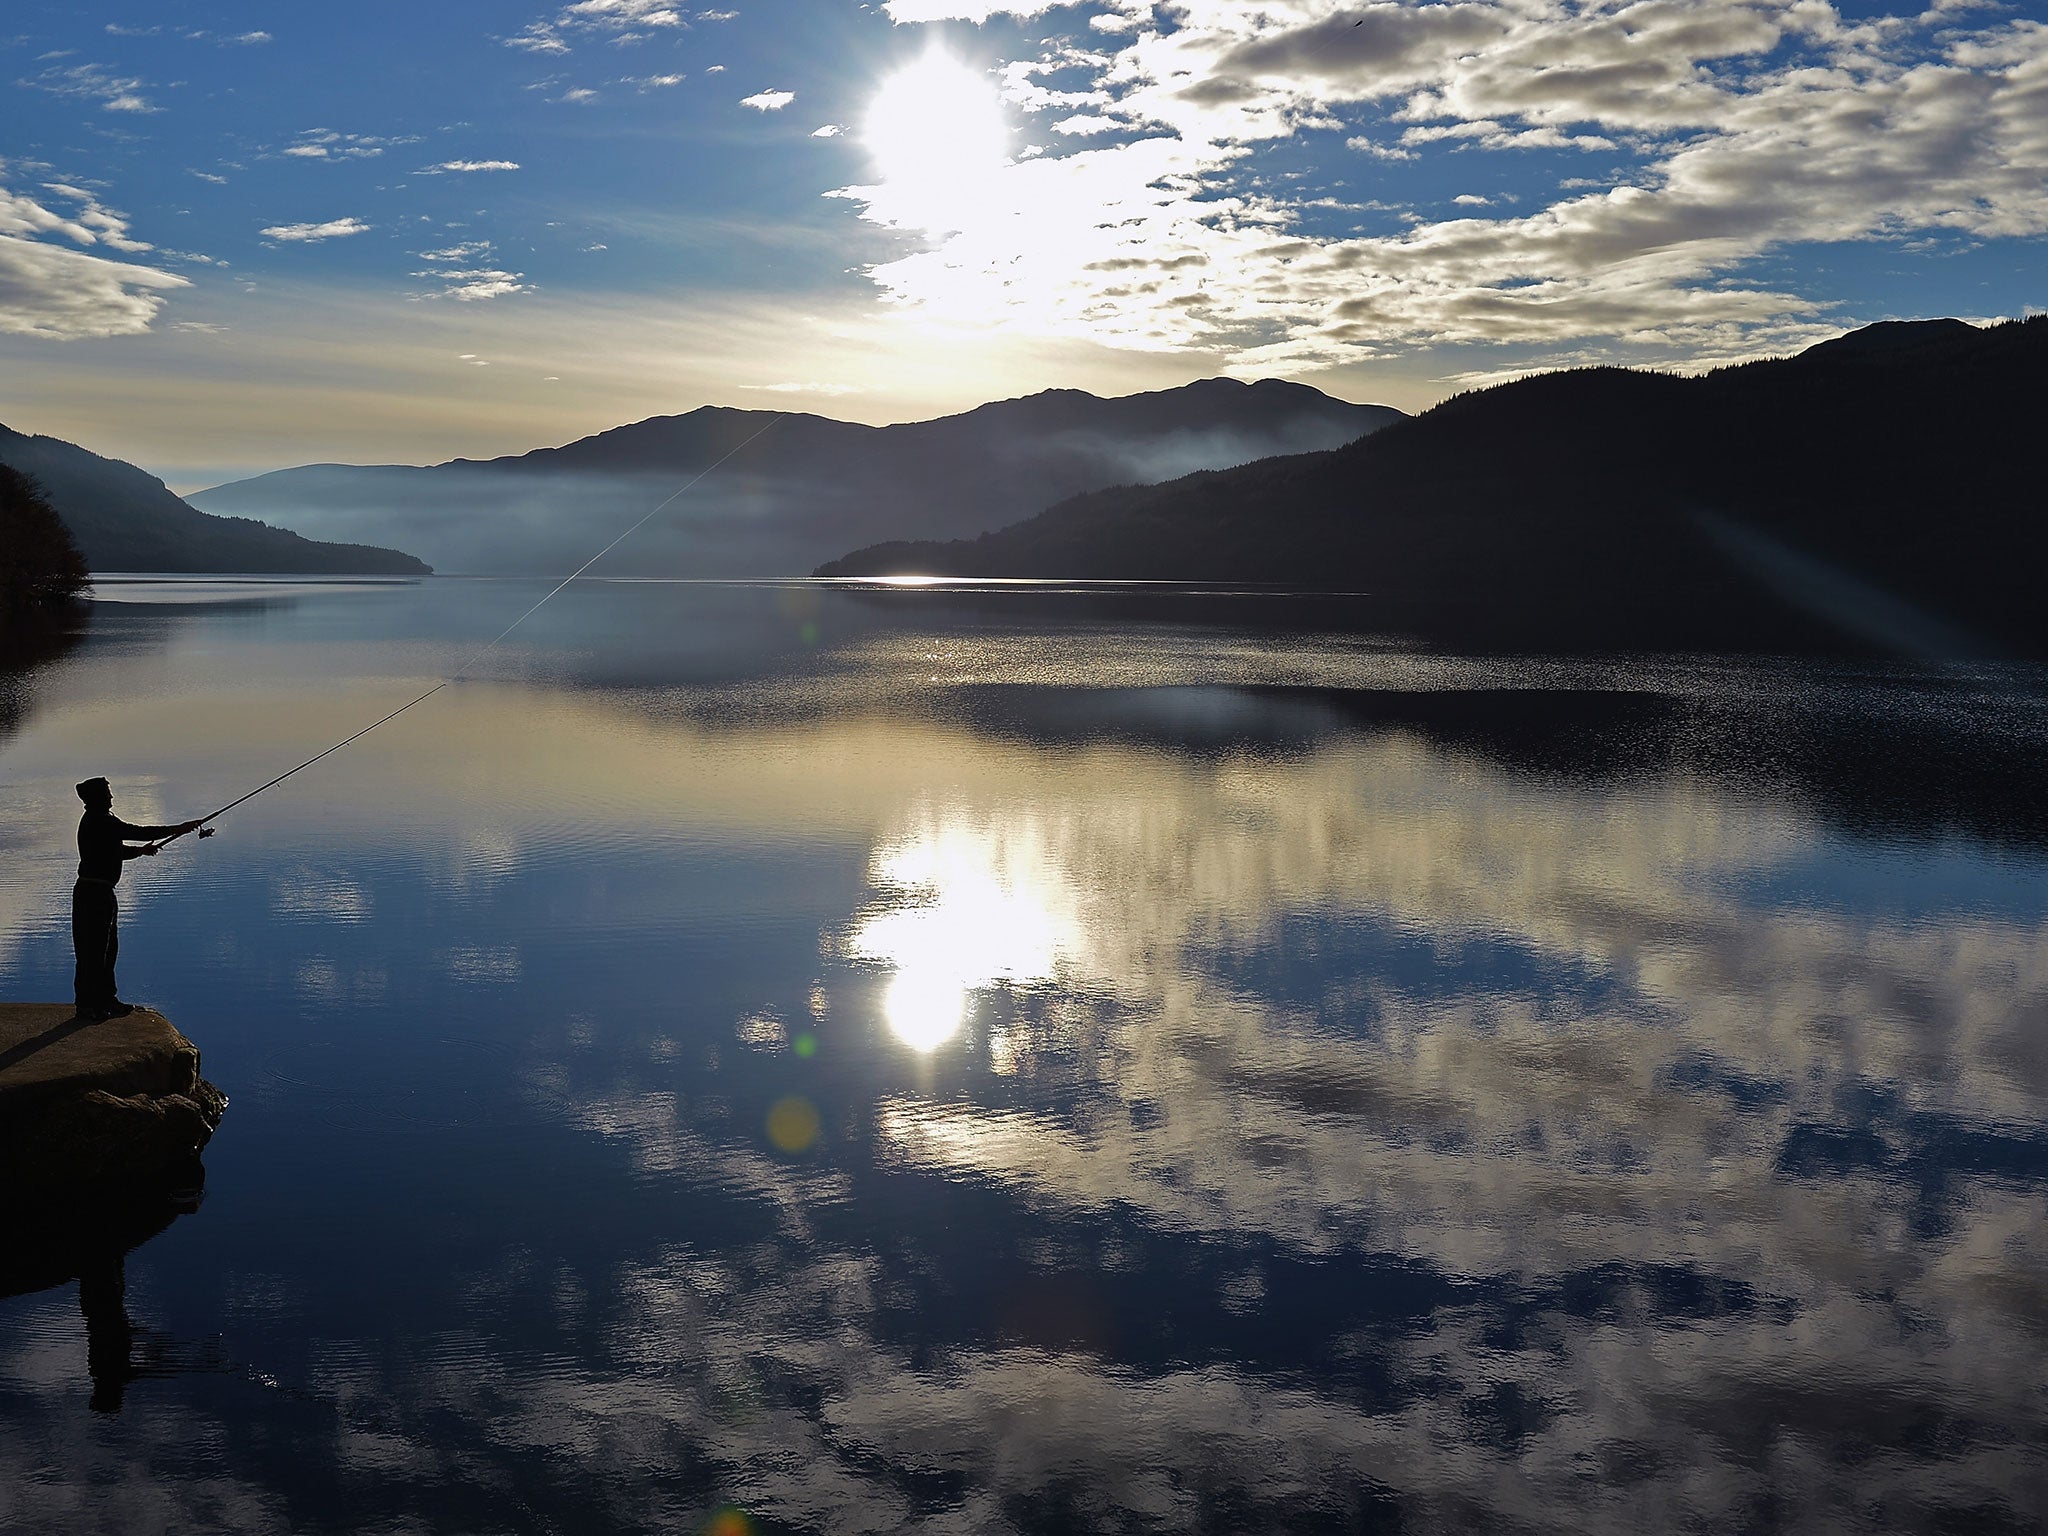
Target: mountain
(1882, 489)
(782, 491)
(127, 520)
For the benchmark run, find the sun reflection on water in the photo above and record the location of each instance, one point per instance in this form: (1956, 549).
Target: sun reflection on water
(966, 905)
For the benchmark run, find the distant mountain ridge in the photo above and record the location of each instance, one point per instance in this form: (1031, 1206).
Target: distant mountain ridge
(1881, 489)
(125, 519)
(786, 490)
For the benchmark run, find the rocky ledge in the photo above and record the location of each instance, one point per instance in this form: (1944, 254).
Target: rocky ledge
(114, 1106)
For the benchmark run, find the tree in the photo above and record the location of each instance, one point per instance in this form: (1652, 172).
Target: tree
(40, 566)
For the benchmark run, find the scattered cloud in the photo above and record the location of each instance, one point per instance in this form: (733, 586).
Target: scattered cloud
(621, 21)
(909, 12)
(1744, 127)
(465, 166)
(63, 291)
(536, 39)
(580, 93)
(92, 223)
(455, 269)
(473, 284)
(828, 131)
(95, 82)
(768, 101)
(333, 229)
(217, 180)
(326, 144)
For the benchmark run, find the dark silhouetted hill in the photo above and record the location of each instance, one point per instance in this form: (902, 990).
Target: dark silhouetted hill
(796, 488)
(1882, 489)
(126, 520)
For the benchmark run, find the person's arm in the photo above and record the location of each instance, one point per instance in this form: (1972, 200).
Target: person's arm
(153, 835)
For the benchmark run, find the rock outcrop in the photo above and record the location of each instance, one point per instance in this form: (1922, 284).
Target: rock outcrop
(110, 1108)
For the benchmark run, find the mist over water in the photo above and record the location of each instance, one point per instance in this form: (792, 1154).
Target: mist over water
(912, 1061)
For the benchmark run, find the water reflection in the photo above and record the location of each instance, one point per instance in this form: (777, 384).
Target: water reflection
(1037, 1108)
(964, 904)
(48, 1249)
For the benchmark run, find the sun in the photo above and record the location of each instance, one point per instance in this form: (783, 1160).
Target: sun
(935, 128)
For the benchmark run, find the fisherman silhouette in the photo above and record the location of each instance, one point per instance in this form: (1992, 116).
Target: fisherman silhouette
(103, 840)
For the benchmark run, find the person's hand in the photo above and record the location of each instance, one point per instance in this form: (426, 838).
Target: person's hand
(150, 849)
(188, 826)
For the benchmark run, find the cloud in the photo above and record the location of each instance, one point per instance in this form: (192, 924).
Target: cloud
(326, 144)
(1744, 129)
(768, 101)
(621, 13)
(470, 165)
(910, 12)
(622, 20)
(94, 82)
(465, 282)
(473, 284)
(537, 39)
(333, 229)
(56, 291)
(828, 131)
(90, 223)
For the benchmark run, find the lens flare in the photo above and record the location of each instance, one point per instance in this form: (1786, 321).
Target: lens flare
(793, 1124)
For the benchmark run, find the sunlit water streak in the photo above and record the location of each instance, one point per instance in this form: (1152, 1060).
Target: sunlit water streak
(903, 1067)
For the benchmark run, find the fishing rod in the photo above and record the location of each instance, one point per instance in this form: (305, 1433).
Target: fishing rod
(202, 827)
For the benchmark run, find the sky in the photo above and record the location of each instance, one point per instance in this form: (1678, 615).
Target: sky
(239, 236)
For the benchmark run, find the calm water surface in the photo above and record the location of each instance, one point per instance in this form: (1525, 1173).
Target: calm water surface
(890, 1064)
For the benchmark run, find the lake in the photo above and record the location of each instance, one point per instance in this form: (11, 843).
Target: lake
(782, 1058)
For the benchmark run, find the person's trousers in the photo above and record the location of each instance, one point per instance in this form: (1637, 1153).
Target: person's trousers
(95, 941)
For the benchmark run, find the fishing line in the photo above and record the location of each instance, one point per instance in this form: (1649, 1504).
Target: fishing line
(485, 649)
